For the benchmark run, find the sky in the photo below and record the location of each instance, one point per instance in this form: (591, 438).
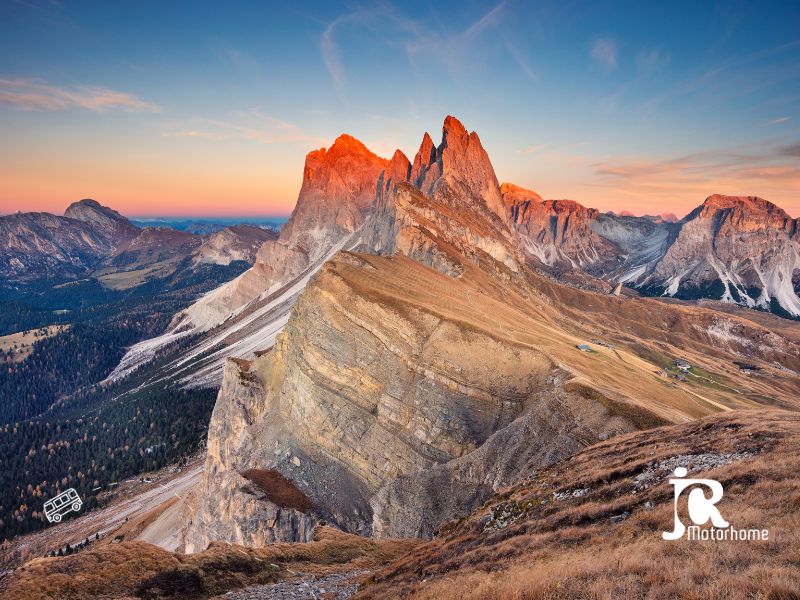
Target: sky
(209, 108)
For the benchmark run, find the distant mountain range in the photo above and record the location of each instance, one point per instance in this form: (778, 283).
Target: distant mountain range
(737, 249)
(200, 226)
(94, 240)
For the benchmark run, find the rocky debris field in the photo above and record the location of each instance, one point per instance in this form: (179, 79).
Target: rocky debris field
(332, 587)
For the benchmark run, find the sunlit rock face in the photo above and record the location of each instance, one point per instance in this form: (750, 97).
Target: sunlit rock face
(737, 248)
(338, 190)
(392, 413)
(428, 369)
(390, 416)
(558, 232)
(447, 210)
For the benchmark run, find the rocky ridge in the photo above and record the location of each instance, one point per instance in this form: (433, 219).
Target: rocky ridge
(337, 192)
(95, 240)
(408, 386)
(737, 249)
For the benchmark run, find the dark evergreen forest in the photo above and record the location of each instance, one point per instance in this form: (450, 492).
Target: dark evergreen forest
(59, 427)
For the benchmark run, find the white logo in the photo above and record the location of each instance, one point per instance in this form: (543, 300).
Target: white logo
(702, 510)
(65, 502)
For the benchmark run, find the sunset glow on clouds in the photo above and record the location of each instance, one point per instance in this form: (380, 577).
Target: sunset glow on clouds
(210, 111)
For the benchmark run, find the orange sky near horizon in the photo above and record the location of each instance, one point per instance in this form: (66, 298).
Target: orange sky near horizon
(169, 176)
(245, 189)
(248, 184)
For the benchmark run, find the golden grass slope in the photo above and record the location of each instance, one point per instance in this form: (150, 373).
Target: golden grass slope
(140, 570)
(646, 335)
(526, 543)
(22, 342)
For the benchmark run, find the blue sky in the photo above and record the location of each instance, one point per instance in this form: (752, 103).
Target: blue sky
(209, 108)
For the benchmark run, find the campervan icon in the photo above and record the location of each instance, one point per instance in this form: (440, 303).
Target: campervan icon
(56, 508)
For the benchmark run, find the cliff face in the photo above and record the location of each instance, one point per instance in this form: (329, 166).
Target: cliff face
(104, 220)
(339, 185)
(36, 245)
(739, 249)
(559, 233)
(338, 190)
(240, 242)
(416, 377)
(399, 397)
(448, 208)
(228, 453)
(393, 402)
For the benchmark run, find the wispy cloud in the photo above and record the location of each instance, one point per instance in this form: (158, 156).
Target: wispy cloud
(534, 149)
(37, 95)
(252, 125)
(332, 56)
(792, 150)
(455, 50)
(778, 121)
(604, 53)
(521, 61)
(651, 62)
(758, 162)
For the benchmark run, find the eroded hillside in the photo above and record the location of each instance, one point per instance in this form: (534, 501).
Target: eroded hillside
(590, 526)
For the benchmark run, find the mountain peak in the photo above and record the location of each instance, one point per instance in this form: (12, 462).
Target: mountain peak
(398, 169)
(347, 141)
(514, 195)
(747, 203)
(461, 158)
(104, 219)
(87, 208)
(425, 157)
(454, 126)
(338, 188)
(749, 212)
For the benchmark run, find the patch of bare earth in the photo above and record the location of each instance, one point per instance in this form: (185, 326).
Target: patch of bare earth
(280, 490)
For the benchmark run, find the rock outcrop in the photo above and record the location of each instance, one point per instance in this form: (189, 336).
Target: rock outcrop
(737, 249)
(449, 210)
(44, 246)
(239, 242)
(338, 191)
(559, 233)
(92, 239)
(392, 406)
(742, 250)
(227, 457)
(104, 220)
(424, 372)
